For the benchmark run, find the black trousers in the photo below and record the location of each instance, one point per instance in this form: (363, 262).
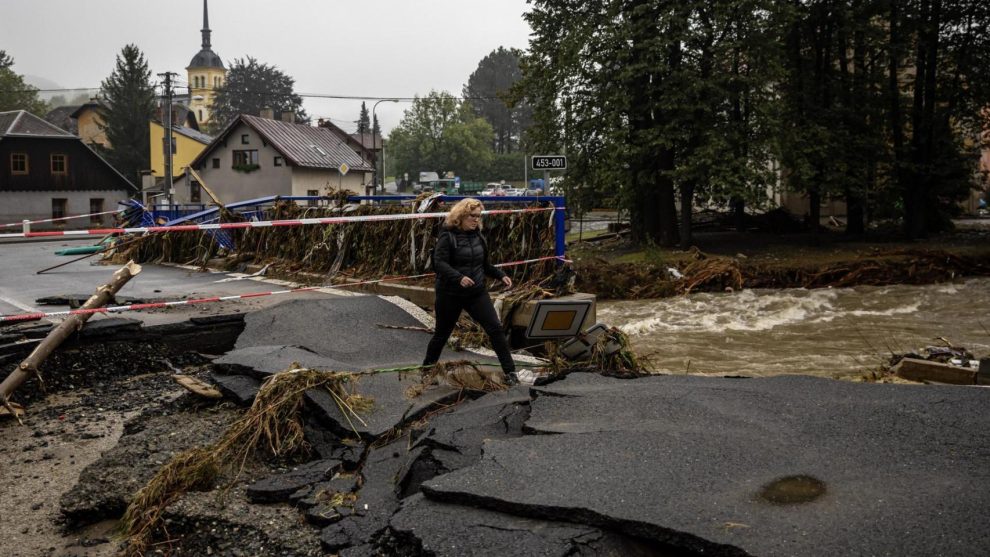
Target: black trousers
(479, 306)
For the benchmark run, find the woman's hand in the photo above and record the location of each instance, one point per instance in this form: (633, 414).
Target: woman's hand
(466, 282)
(507, 281)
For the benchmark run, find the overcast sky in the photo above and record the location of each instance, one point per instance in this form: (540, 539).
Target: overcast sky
(373, 48)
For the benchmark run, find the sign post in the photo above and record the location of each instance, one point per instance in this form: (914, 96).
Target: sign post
(546, 163)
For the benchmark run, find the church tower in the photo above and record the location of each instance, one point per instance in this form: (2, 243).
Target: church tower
(205, 73)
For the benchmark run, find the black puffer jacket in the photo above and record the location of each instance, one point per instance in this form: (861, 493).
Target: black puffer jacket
(461, 254)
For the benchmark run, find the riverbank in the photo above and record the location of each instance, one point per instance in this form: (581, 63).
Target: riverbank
(614, 268)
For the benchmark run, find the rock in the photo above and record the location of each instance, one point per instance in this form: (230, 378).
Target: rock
(278, 488)
(240, 388)
(392, 407)
(685, 461)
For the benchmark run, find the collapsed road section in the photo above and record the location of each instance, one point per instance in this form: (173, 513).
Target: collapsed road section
(584, 465)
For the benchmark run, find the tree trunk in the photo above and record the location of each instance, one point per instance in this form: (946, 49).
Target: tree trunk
(73, 323)
(894, 116)
(687, 200)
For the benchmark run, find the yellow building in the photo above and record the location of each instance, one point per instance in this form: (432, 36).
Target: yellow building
(90, 125)
(205, 74)
(187, 145)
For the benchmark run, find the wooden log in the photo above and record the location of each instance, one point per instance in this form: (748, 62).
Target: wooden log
(73, 323)
(923, 370)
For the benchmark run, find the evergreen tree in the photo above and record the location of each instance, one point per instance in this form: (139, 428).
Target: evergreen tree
(128, 105)
(364, 122)
(488, 89)
(251, 86)
(376, 130)
(15, 94)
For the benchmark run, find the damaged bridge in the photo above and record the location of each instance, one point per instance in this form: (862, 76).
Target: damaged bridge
(585, 465)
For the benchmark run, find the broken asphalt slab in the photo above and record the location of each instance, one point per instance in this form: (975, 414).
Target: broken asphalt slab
(346, 330)
(392, 405)
(424, 527)
(684, 460)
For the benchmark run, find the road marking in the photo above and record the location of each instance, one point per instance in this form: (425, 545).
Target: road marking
(17, 304)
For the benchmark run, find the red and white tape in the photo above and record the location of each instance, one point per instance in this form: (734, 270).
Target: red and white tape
(158, 305)
(257, 224)
(9, 224)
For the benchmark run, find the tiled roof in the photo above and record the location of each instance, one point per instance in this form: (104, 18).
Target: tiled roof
(368, 140)
(193, 134)
(62, 117)
(21, 123)
(306, 145)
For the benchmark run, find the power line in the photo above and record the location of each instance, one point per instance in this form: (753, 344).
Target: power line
(305, 95)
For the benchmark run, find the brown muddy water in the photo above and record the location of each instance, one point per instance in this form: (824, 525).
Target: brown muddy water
(842, 332)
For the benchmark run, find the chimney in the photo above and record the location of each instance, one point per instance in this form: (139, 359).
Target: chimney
(289, 116)
(267, 113)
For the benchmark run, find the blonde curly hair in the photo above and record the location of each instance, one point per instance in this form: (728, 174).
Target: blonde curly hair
(460, 211)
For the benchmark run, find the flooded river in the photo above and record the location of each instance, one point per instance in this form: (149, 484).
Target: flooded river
(826, 332)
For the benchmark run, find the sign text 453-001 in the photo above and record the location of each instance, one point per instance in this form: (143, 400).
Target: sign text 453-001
(550, 162)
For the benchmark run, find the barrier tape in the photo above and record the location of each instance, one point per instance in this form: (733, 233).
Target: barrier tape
(258, 224)
(9, 224)
(157, 305)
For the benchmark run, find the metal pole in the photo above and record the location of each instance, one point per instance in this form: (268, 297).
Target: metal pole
(526, 172)
(168, 139)
(374, 144)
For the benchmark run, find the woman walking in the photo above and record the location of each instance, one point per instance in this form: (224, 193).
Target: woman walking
(460, 260)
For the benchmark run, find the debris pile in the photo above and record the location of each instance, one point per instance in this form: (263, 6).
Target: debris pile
(351, 250)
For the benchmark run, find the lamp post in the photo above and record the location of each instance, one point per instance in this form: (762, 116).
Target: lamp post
(374, 141)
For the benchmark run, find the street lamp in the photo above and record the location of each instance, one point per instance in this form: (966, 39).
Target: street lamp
(374, 141)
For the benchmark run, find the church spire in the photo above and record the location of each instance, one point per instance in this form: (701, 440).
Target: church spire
(206, 26)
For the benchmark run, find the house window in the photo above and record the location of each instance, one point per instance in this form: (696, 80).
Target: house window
(216, 163)
(59, 207)
(216, 82)
(18, 163)
(95, 206)
(194, 195)
(312, 193)
(60, 164)
(201, 115)
(278, 161)
(245, 158)
(244, 139)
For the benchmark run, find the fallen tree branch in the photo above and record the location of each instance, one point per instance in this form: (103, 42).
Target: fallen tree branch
(73, 323)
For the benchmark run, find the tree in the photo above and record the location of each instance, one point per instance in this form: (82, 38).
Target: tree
(251, 86)
(364, 122)
(488, 89)
(376, 130)
(128, 105)
(439, 133)
(15, 94)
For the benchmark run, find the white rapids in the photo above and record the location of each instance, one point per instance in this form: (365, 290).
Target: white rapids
(825, 332)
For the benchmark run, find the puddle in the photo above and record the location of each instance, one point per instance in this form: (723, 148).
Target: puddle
(792, 490)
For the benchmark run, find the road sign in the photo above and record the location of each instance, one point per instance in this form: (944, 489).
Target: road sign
(549, 162)
(343, 169)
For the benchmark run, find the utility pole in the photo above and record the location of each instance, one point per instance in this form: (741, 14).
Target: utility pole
(168, 137)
